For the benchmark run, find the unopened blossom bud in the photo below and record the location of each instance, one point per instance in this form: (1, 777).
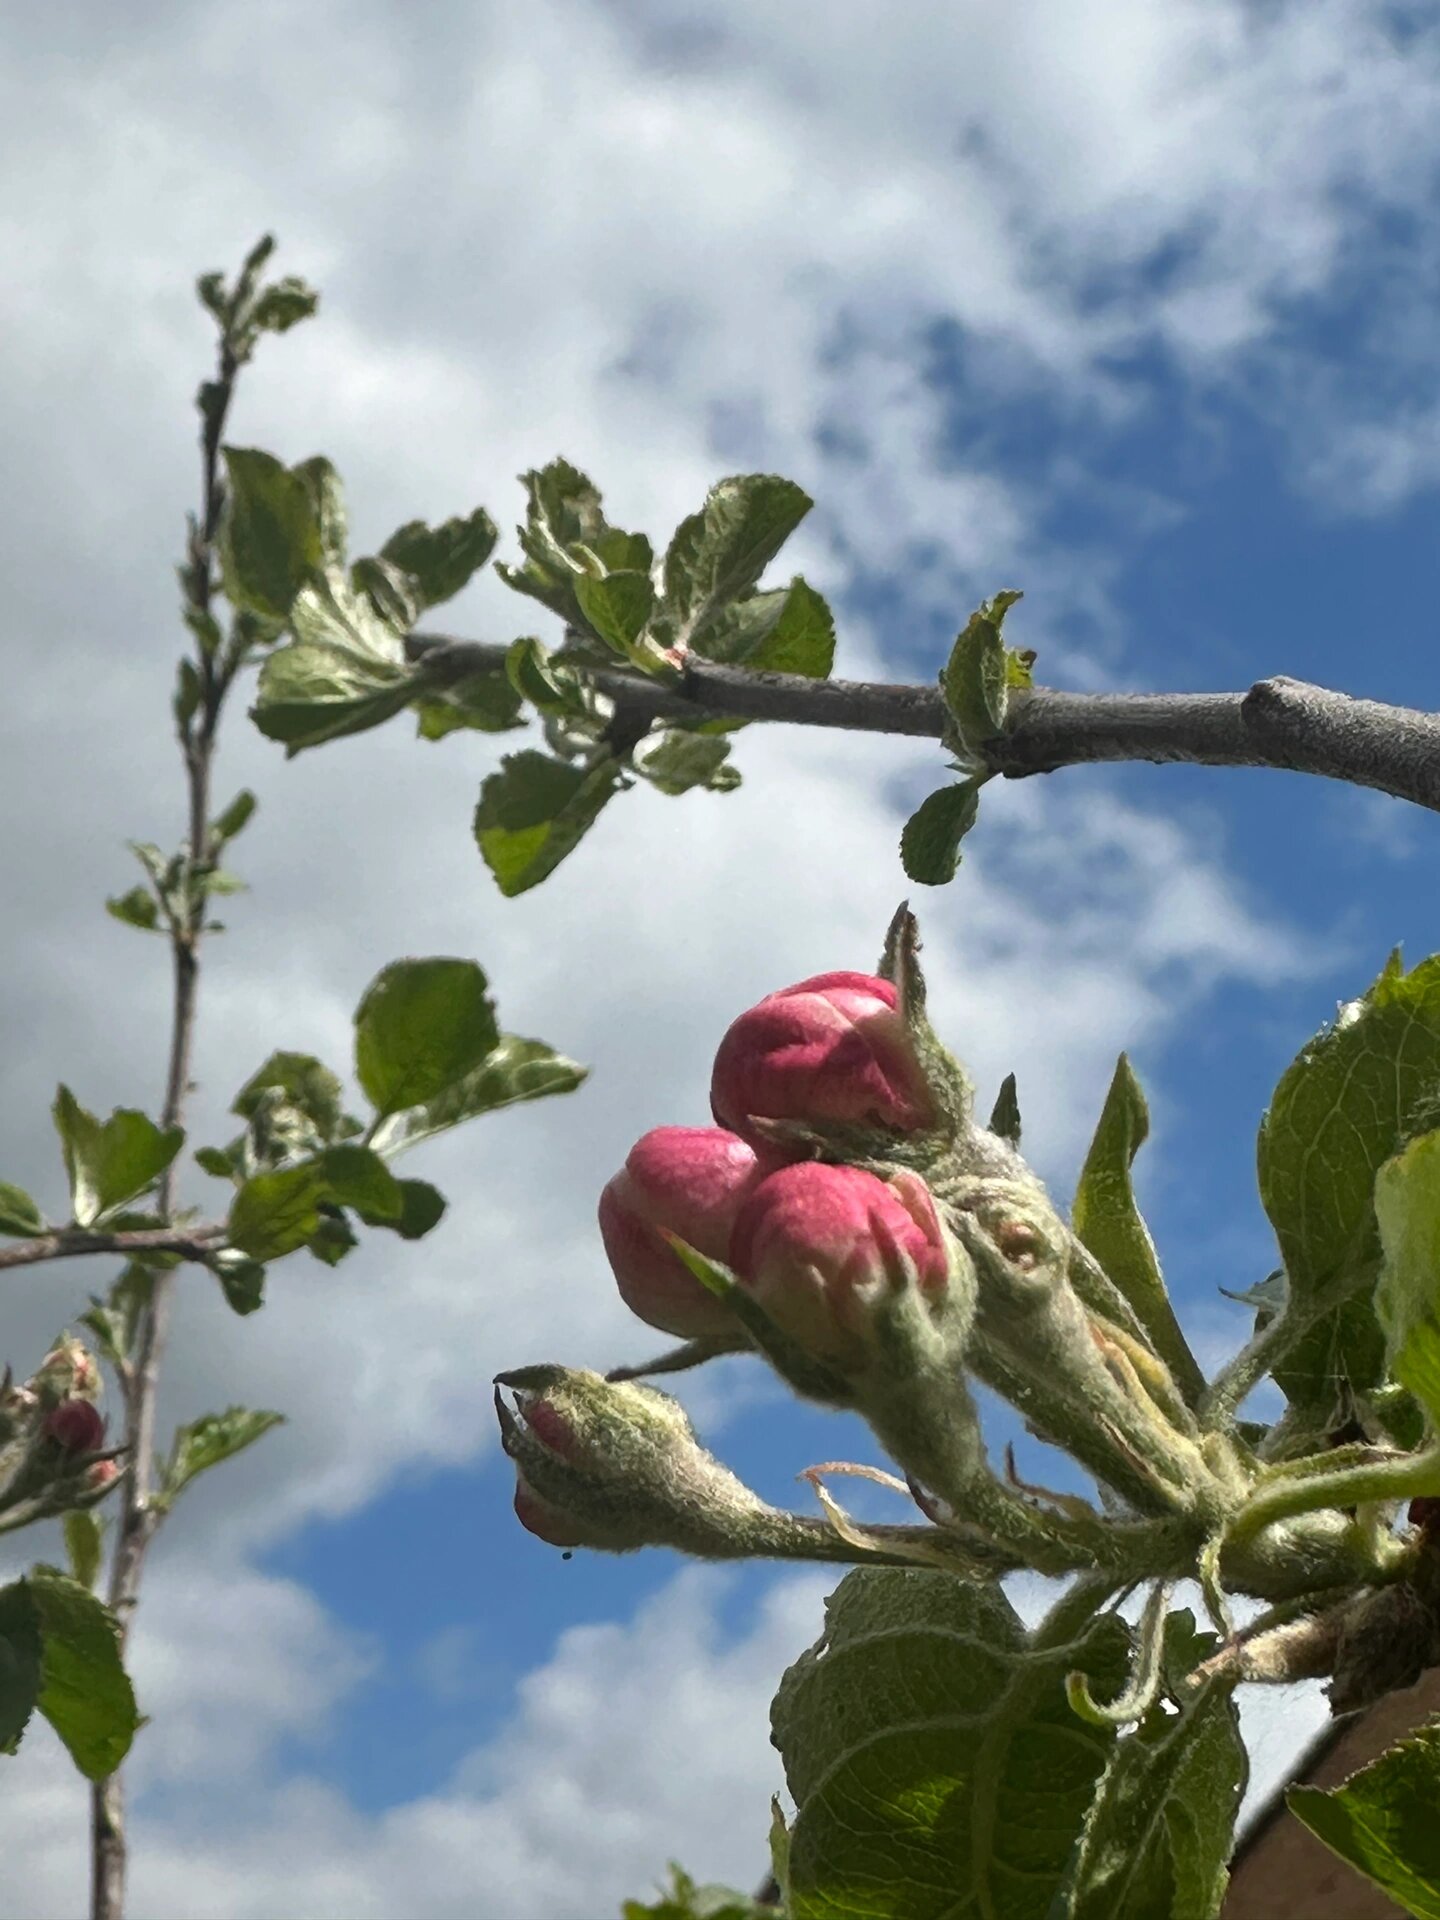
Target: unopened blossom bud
(692, 1181)
(67, 1372)
(102, 1474)
(75, 1425)
(833, 1050)
(824, 1248)
(616, 1465)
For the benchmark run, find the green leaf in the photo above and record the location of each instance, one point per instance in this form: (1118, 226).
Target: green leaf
(115, 1320)
(550, 690)
(304, 1082)
(483, 702)
(204, 1443)
(1351, 1099)
(344, 671)
(269, 533)
(684, 1900)
(110, 1162)
(187, 693)
(357, 1177)
(675, 761)
(84, 1532)
(420, 1026)
(514, 1070)
(282, 305)
(19, 1215)
(242, 1281)
(934, 1762)
(85, 1692)
(720, 552)
(565, 536)
(327, 502)
(930, 844)
(20, 1655)
(802, 640)
(136, 908)
(534, 811)
(333, 1239)
(1407, 1299)
(1383, 1821)
(273, 1213)
(235, 817)
(976, 678)
(1162, 1824)
(422, 1208)
(1107, 1220)
(616, 606)
(441, 560)
(217, 1161)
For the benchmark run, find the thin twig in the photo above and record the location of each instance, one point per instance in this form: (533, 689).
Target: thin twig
(1278, 722)
(66, 1243)
(139, 1516)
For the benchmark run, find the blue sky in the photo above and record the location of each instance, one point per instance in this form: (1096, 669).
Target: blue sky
(1129, 305)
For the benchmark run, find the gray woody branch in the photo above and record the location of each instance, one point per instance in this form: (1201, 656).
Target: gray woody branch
(1278, 723)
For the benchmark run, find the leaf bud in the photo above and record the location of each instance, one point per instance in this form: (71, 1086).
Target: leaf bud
(691, 1181)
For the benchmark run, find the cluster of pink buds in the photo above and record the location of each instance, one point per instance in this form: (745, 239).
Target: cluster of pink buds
(51, 1434)
(827, 1065)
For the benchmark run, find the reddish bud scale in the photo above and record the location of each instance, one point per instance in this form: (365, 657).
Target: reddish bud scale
(547, 1523)
(821, 1246)
(833, 1049)
(691, 1181)
(1425, 1513)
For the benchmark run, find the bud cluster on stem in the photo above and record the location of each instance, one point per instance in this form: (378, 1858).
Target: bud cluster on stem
(52, 1439)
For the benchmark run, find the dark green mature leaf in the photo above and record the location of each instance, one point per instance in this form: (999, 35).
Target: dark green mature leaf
(420, 1026)
(269, 534)
(305, 1083)
(282, 305)
(1407, 1299)
(344, 671)
(441, 560)
(720, 552)
(482, 703)
(204, 1443)
(616, 606)
(514, 1070)
(1351, 1099)
(787, 630)
(536, 810)
(685, 1900)
(422, 1208)
(1162, 1824)
(84, 1532)
(1383, 1821)
(933, 1759)
(675, 761)
(976, 679)
(19, 1215)
(85, 1692)
(242, 1281)
(19, 1663)
(551, 690)
(110, 1162)
(357, 1177)
(930, 844)
(137, 908)
(1106, 1218)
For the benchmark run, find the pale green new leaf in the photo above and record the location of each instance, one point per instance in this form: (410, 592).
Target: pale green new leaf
(137, 908)
(1351, 1099)
(514, 1070)
(1162, 1824)
(935, 1764)
(1383, 1821)
(345, 670)
(481, 703)
(675, 761)
(721, 552)
(19, 1215)
(1106, 1218)
(976, 679)
(111, 1161)
(305, 1084)
(441, 560)
(84, 1532)
(420, 1026)
(204, 1443)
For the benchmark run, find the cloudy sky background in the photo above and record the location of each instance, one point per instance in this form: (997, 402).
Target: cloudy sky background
(1129, 303)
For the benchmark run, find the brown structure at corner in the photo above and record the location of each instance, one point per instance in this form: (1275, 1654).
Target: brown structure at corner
(1281, 1871)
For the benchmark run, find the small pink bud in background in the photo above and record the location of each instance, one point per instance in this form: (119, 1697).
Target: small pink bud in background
(102, 1474)
(821, 1248)
(76, 1426)
(691, 1180)
(833, 1049)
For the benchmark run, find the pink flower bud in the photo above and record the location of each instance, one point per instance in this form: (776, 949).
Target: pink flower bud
(691, 1180)
(822, 1247)
(102, 1474)
(830, 1050)
(76, 1426)
(548, 1523)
